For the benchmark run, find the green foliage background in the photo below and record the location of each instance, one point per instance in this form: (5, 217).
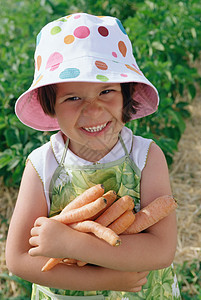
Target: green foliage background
(166, 38)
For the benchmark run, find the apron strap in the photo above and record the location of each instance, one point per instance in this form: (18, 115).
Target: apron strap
(64, 153)
(121, 141)
(124, 146)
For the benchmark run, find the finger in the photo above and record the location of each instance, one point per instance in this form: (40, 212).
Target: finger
(33, 241)
(33, 251)
(143, 274)
(34, 231)
(136, 290)
(39, 221)
(143, 281)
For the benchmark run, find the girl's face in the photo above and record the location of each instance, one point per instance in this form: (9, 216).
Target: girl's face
(90, 114)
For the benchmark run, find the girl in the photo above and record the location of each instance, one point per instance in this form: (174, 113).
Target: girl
(87, 85)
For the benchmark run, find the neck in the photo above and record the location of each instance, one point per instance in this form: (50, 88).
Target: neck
(92, 155)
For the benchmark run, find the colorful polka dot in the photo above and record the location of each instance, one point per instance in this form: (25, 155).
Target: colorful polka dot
(38, 38)
(121, 26)
(103, 31)
(69, 73)
(101, 65)
(136, 67)
(77, 17)
(62, 20)
(132, 69)
(123, 75)
(37, 80)
(55, 30)
(122, 48)
(114, 54)
(69, 39)
(38, 62)
(81, 32)
(54, 61)
(102, 78)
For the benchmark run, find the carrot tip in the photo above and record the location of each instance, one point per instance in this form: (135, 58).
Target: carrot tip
(118, 243)
(43, 270)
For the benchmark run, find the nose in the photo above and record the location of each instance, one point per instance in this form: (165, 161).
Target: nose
(92, 107)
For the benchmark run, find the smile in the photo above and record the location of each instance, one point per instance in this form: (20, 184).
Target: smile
(96, 128)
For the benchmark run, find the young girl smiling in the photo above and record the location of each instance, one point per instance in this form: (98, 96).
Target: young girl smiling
(87, 85)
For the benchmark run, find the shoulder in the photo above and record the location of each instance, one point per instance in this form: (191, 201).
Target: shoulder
(137, 146)
(43, 158)
(155, 157)
(155, 176)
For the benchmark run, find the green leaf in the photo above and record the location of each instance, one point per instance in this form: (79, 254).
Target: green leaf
(159, 46)
(12, 136)
(191, 91)
(5, 158)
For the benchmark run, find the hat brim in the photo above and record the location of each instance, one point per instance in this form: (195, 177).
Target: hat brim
(85, 69)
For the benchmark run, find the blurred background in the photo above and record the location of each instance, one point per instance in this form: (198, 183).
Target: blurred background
(166, 38)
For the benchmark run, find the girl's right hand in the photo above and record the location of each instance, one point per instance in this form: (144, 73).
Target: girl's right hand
(128, 281)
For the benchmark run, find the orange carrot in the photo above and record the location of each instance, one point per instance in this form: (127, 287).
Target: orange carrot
(81, 263)
(82, 213)
(69, 261)
(158, 209)
(118, 226)
(99, 230)
(86, 197)
(123, 222)
(52, 262)
(116, 210)
(110, 196)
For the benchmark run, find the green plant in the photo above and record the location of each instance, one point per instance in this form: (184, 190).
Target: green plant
(166, 37)
(18, 142)
(189, 278)
(24, 287)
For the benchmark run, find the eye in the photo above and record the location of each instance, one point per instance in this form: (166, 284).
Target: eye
(75, 98)
(106, 92)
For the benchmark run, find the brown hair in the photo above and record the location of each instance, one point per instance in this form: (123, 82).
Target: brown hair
(47, 99)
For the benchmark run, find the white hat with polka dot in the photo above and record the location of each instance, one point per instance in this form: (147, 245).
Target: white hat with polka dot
(83, 48)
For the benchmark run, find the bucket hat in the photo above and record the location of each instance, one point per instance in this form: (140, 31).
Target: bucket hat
(83, 48)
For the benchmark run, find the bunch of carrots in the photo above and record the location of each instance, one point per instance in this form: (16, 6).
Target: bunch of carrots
(107, 217)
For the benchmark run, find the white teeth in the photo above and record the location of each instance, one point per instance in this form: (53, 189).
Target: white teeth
(95, 128)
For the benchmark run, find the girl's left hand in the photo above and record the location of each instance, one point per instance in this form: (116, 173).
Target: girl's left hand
(46, 237)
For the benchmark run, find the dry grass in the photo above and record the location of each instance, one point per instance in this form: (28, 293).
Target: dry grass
(185, 178)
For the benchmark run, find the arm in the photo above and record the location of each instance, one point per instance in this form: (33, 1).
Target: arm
(153, 249)
(31, 204)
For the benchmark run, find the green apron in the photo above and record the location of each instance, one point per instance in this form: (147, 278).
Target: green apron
(123, 176)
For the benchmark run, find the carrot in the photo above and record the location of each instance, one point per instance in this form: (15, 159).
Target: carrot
(116, 210)
(81, 263)
(123, 222)
(110, 196)
(86, 197)
(82, 213)
(158, 209)
(99, 230)
(69, 261)
(52, 262)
